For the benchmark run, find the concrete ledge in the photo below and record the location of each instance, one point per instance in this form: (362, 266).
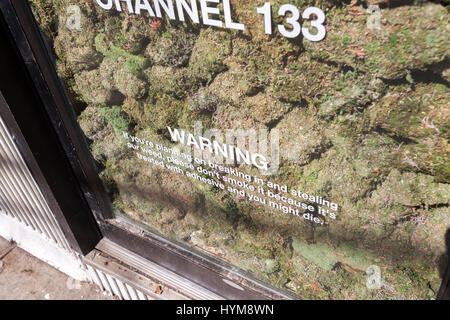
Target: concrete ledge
(42, 248)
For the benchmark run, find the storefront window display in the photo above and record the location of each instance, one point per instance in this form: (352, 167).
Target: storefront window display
(305, 142)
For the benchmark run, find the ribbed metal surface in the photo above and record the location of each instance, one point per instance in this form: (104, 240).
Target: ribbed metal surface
(20, 196)
(22, 200)
(188, 288)
(110, 283)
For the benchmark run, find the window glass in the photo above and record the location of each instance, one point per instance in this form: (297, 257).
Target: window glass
(305, 142)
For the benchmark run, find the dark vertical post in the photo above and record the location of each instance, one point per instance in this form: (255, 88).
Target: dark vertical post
(23, 109)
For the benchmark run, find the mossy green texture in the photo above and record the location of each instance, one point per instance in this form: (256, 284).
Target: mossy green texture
(328, 257)
(362, 119)
(316, 253)
(133, 63)
(116, 118)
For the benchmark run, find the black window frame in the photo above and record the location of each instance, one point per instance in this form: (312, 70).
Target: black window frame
(36, 109)
(94, 217)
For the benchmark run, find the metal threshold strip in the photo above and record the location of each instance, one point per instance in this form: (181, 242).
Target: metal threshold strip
(158, 282)
(201, 272)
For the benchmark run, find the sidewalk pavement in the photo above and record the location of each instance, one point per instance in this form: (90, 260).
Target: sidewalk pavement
(24, 277)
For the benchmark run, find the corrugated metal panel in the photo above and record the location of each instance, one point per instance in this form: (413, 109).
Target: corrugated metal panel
(189, 289)
(20, 196)
(112, 284)
(126, 282)
(22, 200)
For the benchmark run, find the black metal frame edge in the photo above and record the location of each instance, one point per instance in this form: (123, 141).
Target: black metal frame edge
(205, 271)
(63, 118)
(29, 125)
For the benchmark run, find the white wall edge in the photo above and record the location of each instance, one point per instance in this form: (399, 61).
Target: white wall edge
(42, 248)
